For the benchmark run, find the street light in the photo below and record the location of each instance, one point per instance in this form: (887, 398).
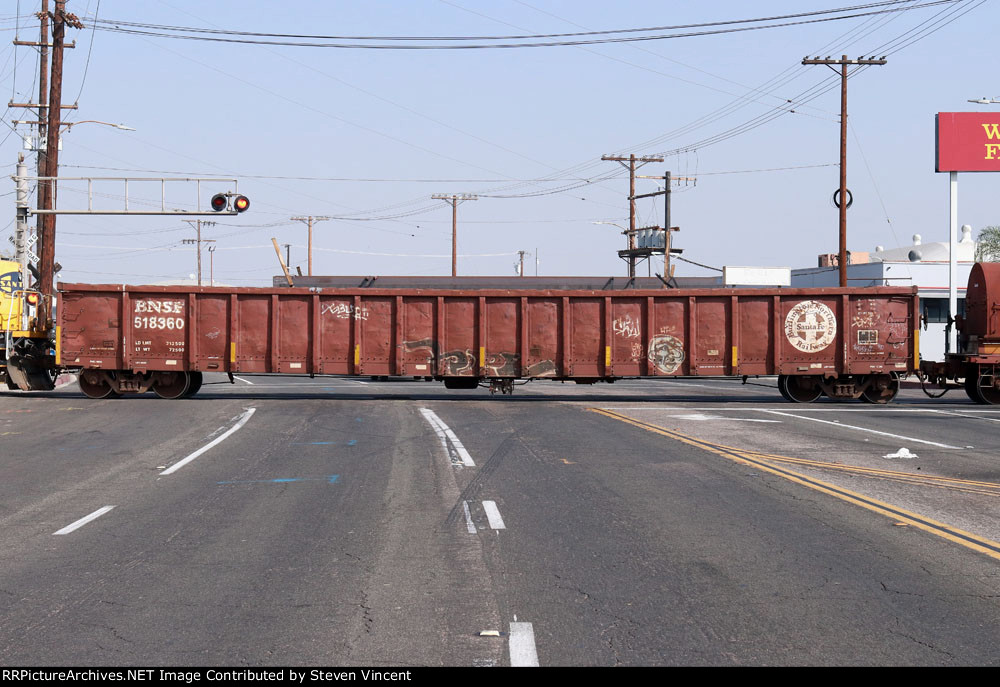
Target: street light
(70, 125)
(624, 230)
(986, 101)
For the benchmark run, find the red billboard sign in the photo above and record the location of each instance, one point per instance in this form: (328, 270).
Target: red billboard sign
(968, 142)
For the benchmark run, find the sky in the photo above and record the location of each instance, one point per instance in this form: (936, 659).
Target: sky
(368, 136)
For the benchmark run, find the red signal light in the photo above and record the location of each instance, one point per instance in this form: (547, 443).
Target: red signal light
(219, 202)
(241, 203)
(32, 298)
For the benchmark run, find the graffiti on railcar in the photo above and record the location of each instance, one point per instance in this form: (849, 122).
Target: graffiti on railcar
(345, 311)
(457, 362)
(428, 345)
(666, 352)
(810, 326)
(543, 368)
(502, 364)
(627, 327)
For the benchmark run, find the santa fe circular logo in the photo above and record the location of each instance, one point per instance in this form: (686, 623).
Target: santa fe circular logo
(810, 326)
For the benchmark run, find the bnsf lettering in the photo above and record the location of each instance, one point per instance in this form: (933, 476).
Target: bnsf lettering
(158, 323)
(166, 307)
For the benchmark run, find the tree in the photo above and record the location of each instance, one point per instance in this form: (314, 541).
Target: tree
(988, 244)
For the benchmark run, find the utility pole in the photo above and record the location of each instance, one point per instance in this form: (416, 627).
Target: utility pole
(668, 181)
(197, 226)
(288, 254)
(631, 167)
(520, 271)
(48, 237)
(43, 85)
(454, 201)
(842, 194)
(47, 259)
(310, 221)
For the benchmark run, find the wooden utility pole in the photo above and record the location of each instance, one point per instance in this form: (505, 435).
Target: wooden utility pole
(47, 257)
(43, 85)
(309, 220)
(520, 271)
(454, 201)
(631, 167)
(842, 194)
(668, 250)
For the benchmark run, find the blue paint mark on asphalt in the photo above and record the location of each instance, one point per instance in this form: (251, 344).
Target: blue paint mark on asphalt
(313, 443)
(332, 479)
(352, 442)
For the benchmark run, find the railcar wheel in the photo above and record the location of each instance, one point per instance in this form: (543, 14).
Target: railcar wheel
(988, 392)
(94, 385)
(881, 396)
(796, 392)
(972, 389)
(171, 385)
(195, 384)
(781, 388)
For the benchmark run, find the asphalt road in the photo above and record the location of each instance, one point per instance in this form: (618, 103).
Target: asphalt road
(288, 521)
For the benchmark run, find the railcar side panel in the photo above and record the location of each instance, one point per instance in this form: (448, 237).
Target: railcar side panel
(502, 338)
(545, 339)
(460, 340)
(754, 351)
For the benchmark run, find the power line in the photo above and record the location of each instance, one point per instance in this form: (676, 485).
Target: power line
(166, 31)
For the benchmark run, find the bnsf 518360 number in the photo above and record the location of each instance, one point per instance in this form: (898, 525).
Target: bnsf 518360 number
(159, 323)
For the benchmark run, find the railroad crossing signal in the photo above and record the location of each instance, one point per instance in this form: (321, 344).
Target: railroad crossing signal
(220, 202)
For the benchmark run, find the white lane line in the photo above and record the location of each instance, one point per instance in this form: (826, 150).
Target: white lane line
(218, 440)
(449, 446)
(442, 437)
(245, 381)
(493, 515)
(440, 427)
(970, 417)
(83, 521)
(861, 429)
(701, 417)
(522, 646)
(471, 526)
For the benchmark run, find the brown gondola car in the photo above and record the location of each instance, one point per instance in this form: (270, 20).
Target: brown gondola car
(845, 343)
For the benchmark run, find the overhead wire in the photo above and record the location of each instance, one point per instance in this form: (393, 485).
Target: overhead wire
(160, 31)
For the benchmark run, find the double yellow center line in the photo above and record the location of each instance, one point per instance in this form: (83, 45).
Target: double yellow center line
(765, 462)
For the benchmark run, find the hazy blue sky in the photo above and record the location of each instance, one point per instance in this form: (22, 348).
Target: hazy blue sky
(383, 130)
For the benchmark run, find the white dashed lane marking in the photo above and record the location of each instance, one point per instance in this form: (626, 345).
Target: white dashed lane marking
(451, 444)
(84, 520)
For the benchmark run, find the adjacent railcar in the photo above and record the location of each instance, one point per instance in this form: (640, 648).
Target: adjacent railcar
(977, 361)
(844, 343)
